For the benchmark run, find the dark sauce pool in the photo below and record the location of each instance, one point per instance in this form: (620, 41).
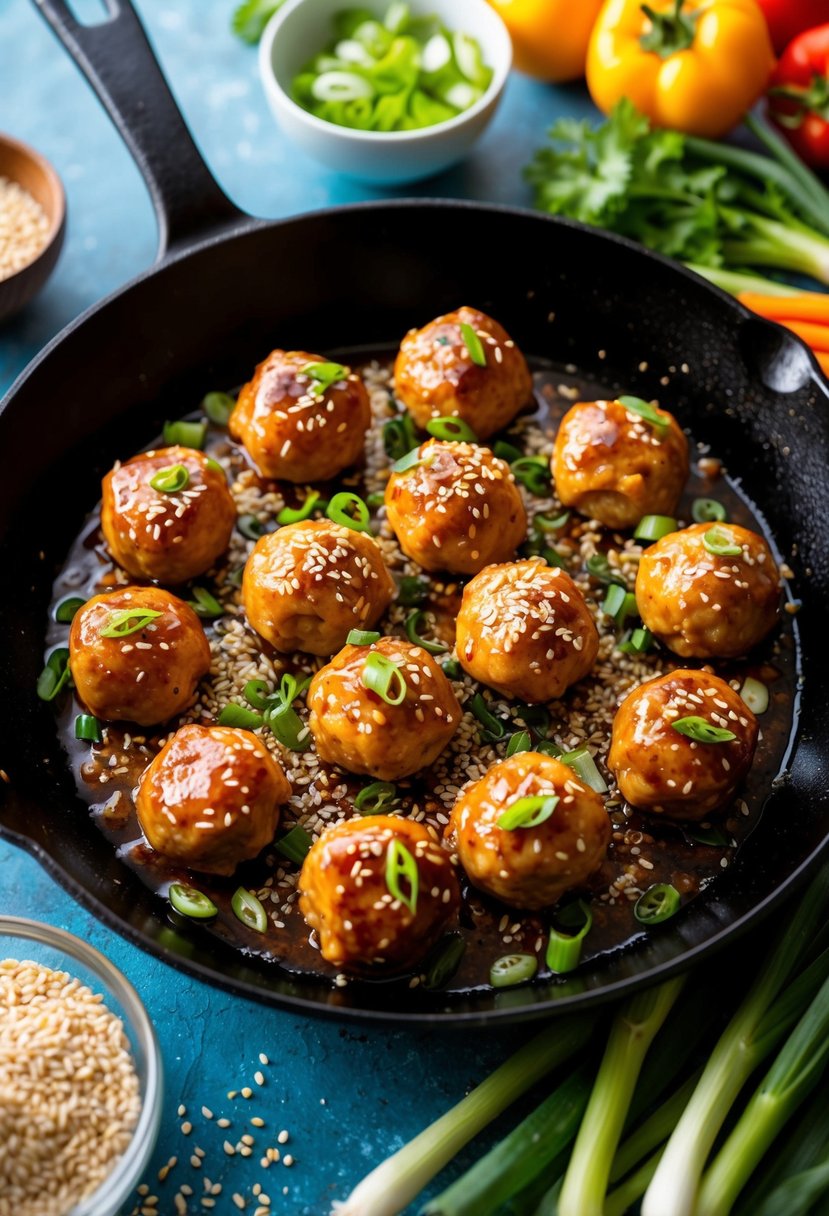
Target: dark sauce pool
(643, 851)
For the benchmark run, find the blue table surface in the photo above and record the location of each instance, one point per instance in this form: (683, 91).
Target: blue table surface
(348, 1095)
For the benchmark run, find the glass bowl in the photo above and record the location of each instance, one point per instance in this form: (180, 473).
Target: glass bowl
(55, 948)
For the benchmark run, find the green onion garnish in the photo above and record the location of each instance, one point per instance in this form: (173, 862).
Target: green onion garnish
(707, 511)
(473, 344)
(399, 436)
(512, 969)
(349, 510)
(218, 407)
(249, 910)
(89, 728)
(204, 604)
(494, 728)
(411, 460)
(583, 764)
(755, 694)
(598, 567)
(413, 621)
(536, 717)
(325, 374)
(375, 500)
(185, 434)
(635, 405)
(294, 515)
(55, 674)
(215, 466)
(190, 902)
(362, 637)
(125, 621)
(519, 742)
(383, 676)
(452, 669)
(533, 472)
(451, 430)
(290, 688)
(718, 542)
(66, 609)
(551, 523)
(710, 836)
(654, 527)
(444, 961)
(376, 798)
(257, 693)
(659, 902)
(528, 812)
(401, 865)
(702, 731)
(412, 591)
(548, 748)
(294, 845)
(639, 642)
(564, 949)
(619, 604)
(250, 527)
(286, 725)
(238, 715)
(507, 451)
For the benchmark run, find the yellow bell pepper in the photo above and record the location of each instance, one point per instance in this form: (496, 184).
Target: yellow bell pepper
(694, 65)
(549, 37)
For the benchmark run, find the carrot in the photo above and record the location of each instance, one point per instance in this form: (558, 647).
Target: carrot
(816, 336)
(808, 306)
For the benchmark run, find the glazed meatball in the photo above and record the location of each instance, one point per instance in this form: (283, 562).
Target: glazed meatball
(614, 466)
(346, 899)
(307, 585)
(358, 729)
(435, 374)
(529, 867)
(525, 630)
(458, 509)
(170, 535)
(296, 427)
(211, 798)
(662, 770)
(704, 604)
(136, 655)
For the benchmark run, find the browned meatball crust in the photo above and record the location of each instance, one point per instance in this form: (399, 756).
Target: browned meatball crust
(346, 899)
(525, 630)
(148, 675)
(435, 375)
(458, 509)
(660, 770)
(307, 585)
(170, 537)
(354, 727)
(529, 867)
(614, 466)
(211, 798)
(294, 431)
(705, 605)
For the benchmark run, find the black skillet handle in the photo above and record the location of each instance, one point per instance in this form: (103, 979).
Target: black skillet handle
(119, 63)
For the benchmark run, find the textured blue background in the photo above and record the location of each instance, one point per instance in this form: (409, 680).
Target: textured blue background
(348, 1095)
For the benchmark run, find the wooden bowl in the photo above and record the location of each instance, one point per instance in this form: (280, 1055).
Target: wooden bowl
(21, 164)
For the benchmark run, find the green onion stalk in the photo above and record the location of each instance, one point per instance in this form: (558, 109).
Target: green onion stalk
(397, 1180)
(784, 1187)
(634, 1029)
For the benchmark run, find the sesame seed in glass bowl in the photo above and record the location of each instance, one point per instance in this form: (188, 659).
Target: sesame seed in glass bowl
(80, 1076)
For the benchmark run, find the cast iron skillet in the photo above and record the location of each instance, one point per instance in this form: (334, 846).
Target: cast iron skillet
(227, 288)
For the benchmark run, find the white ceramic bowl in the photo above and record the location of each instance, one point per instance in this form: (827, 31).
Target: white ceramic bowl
(302, 28)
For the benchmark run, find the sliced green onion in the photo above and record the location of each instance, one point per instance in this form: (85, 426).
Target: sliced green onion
(494, 728)
(377, 798)
(452, 430)
(717, 541)
(519, 742)
(375, 500)
(290, 688)
(659, 902)
(452, 669)
(473, 343)
(533, 472)
(238, 715)
(444, 961)
(639, 642)
(294, 845)
(349, 510)
(326, 374)
(551, 523)
(89, 728)
(528, 812)
(619, 604)
(190, 902)
(411, 460)
(654, 527)
(635, 405)
(755, 694)
(341, 86)
(564, 949)
(185, 434)
(413, 622)
(286, 725)
(412, 591)
(55, 674)
(218, 407)
(383, 676)
(547, 748)
(702, 731)
(66, 609)
(250, 527)
(583, 764)
(399, 436)
(294, 515)
(512, 969)
(707, 511)
(362, 637)
(257, 693)
(536, 717)
(215, 466)
(249, 910)
(235, 576)
(599, 567)
(507, 451)
(710, 836)
(125, 621)
(400, 865)
(204, 604)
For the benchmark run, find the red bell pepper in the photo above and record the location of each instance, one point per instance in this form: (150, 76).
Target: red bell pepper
(799, 96)
(788, 18)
